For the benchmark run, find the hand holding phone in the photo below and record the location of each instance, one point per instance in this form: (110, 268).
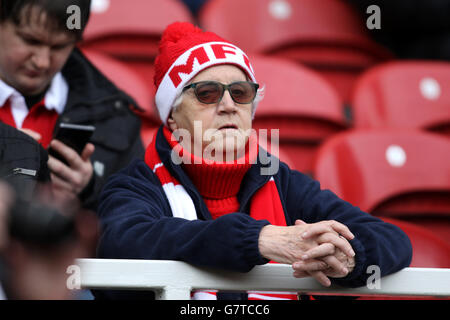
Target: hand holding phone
(74, 136)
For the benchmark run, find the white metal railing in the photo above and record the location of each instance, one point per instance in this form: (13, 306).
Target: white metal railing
(174, 280)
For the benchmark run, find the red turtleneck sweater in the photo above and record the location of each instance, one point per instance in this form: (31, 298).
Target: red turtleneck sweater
(217, 183)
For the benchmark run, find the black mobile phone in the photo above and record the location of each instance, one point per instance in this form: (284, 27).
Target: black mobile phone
(74, 136)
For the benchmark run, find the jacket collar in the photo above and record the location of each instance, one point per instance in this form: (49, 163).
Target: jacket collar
(55, 98)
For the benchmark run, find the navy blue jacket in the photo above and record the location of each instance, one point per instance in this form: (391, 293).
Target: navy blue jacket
(137, 222)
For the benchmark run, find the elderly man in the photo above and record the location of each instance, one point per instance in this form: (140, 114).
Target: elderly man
(202, 196)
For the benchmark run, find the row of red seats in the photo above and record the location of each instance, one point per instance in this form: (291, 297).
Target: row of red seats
(327, 35)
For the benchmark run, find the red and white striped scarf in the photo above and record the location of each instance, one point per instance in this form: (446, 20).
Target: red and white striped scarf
(265, 205)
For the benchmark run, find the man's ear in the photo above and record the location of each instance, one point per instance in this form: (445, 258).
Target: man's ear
(171, 123)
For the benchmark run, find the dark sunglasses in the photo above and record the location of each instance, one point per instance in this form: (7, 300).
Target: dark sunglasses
(209, 92)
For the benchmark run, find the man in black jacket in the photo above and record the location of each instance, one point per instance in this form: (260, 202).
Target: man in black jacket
(46, 80)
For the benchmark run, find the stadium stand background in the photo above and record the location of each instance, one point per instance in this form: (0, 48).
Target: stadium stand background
(366, 112)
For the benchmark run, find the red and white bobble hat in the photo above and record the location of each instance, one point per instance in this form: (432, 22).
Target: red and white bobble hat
(184, 51)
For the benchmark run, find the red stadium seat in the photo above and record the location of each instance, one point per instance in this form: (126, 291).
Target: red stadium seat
(328, 35)
(298, 102)
(130, 82)
(429, 251)
(378, 171)
(404, 94)
(126, 79)
(131, 29)
(393, 173)
(146, 71)
(440, 227)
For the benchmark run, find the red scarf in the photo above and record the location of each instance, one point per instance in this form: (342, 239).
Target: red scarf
(265, 203)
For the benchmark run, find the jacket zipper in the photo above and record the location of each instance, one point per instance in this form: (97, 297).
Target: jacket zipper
(22, 171)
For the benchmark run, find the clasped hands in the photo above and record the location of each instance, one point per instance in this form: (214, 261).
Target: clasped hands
(320, 250)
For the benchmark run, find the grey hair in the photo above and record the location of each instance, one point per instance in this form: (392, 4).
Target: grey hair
(259, 97)
(177, 102)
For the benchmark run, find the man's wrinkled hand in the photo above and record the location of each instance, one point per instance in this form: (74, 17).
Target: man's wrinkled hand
(333, 254)
(320, 250)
